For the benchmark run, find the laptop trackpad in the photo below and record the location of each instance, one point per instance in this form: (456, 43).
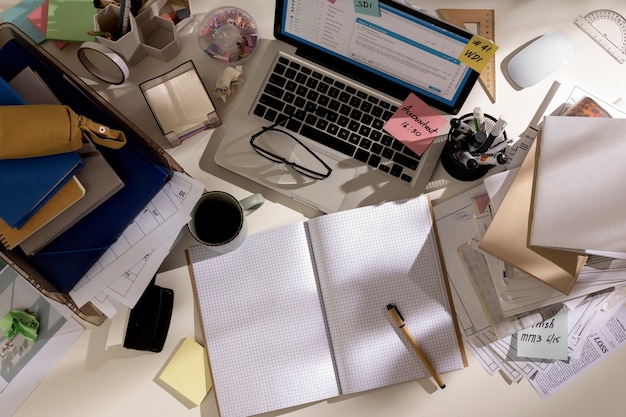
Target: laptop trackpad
(330, 191)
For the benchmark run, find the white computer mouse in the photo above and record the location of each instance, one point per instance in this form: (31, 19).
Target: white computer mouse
(539, 59)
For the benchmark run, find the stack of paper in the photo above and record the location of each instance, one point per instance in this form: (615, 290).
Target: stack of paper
(507, 236)
(565, 201)
(580, 193)
(502, 308)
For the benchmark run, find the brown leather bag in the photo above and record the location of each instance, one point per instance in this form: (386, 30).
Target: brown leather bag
(46, 129)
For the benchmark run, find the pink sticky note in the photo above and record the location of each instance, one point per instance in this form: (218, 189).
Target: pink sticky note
(415, 124)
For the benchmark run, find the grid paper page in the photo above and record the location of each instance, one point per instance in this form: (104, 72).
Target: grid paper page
(264, 328)
(367, 258)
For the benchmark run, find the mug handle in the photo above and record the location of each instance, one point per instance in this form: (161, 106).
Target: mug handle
(251, 203)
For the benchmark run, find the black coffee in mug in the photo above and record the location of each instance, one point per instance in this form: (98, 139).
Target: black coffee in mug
(217, 221)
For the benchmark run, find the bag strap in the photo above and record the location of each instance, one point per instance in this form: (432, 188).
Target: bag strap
(101, 134)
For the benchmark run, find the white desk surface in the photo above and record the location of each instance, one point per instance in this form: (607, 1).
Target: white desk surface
(98, 377)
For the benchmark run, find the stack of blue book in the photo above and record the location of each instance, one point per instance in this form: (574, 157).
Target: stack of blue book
(64, 261)
(26, 184)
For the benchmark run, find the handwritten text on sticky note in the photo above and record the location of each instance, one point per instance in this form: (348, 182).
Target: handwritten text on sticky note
(546, 340)
(368, 7)
(415, 124)
(477, 53)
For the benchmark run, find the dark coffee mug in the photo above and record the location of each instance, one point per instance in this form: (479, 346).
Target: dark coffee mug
(218, 219)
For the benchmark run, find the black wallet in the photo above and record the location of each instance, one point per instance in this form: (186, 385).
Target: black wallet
(149, 320)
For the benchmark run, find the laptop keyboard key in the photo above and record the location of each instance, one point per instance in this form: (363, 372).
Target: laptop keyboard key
(280, 68)
(271, 102)
(274, 91)
(396, 170)
(259, 110)
(362, 155)
(374, 160)
(294, 125)
(271, 115)
(291, 73)
(278, 80)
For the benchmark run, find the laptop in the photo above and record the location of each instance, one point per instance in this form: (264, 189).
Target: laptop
(331, 79)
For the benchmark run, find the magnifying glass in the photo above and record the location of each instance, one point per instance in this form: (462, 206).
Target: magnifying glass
(103, 63)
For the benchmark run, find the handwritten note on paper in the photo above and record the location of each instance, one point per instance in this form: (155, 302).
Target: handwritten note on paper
(368, 7)
(415, 124)
(546, 340)
(477, 53)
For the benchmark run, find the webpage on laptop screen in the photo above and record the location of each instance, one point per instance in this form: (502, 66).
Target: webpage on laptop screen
(395, 45)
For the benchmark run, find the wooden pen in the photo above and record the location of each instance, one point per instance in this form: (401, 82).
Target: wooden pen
(397, 317)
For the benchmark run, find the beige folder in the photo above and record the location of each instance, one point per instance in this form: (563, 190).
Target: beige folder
(507, 236)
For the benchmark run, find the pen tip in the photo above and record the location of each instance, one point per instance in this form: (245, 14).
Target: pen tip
(390, 306)
(443, 386)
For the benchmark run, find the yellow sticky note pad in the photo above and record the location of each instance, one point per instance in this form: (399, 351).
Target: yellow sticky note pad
(478, 52)
(187, 372)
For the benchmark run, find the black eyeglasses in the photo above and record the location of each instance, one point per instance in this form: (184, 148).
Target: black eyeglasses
(280, 146)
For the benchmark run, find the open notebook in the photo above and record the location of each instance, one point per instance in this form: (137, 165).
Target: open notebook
(298, 313)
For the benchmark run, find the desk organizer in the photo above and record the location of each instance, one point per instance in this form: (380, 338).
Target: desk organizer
(462, 158)
(142, 164)
(160, 37)
(149, 34)
(127, 46)
(227, 35)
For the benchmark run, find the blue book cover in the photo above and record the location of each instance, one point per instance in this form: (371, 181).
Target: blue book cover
(26, 184)
(8, 96)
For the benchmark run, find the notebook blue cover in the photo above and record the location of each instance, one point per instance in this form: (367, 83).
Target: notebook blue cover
(67, 258)
(26, 184)
(8, 96)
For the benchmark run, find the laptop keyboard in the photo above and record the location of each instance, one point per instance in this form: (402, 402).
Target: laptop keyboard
(335, 115)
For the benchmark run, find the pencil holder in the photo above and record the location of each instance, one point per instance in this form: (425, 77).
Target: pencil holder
(160, 37)
(474, 146)
(128, 46)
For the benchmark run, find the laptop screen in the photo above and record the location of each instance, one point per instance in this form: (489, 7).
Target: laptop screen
(398, 52)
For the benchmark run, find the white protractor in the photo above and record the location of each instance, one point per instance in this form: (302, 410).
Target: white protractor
(608, 29)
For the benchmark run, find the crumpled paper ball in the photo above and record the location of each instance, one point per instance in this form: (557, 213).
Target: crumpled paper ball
(227, 80)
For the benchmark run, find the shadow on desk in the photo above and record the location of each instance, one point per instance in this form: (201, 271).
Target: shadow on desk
(99, 352)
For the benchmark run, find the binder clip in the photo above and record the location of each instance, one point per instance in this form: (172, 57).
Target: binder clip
(149, 320)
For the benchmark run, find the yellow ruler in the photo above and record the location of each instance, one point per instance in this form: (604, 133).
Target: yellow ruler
(485, 19)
